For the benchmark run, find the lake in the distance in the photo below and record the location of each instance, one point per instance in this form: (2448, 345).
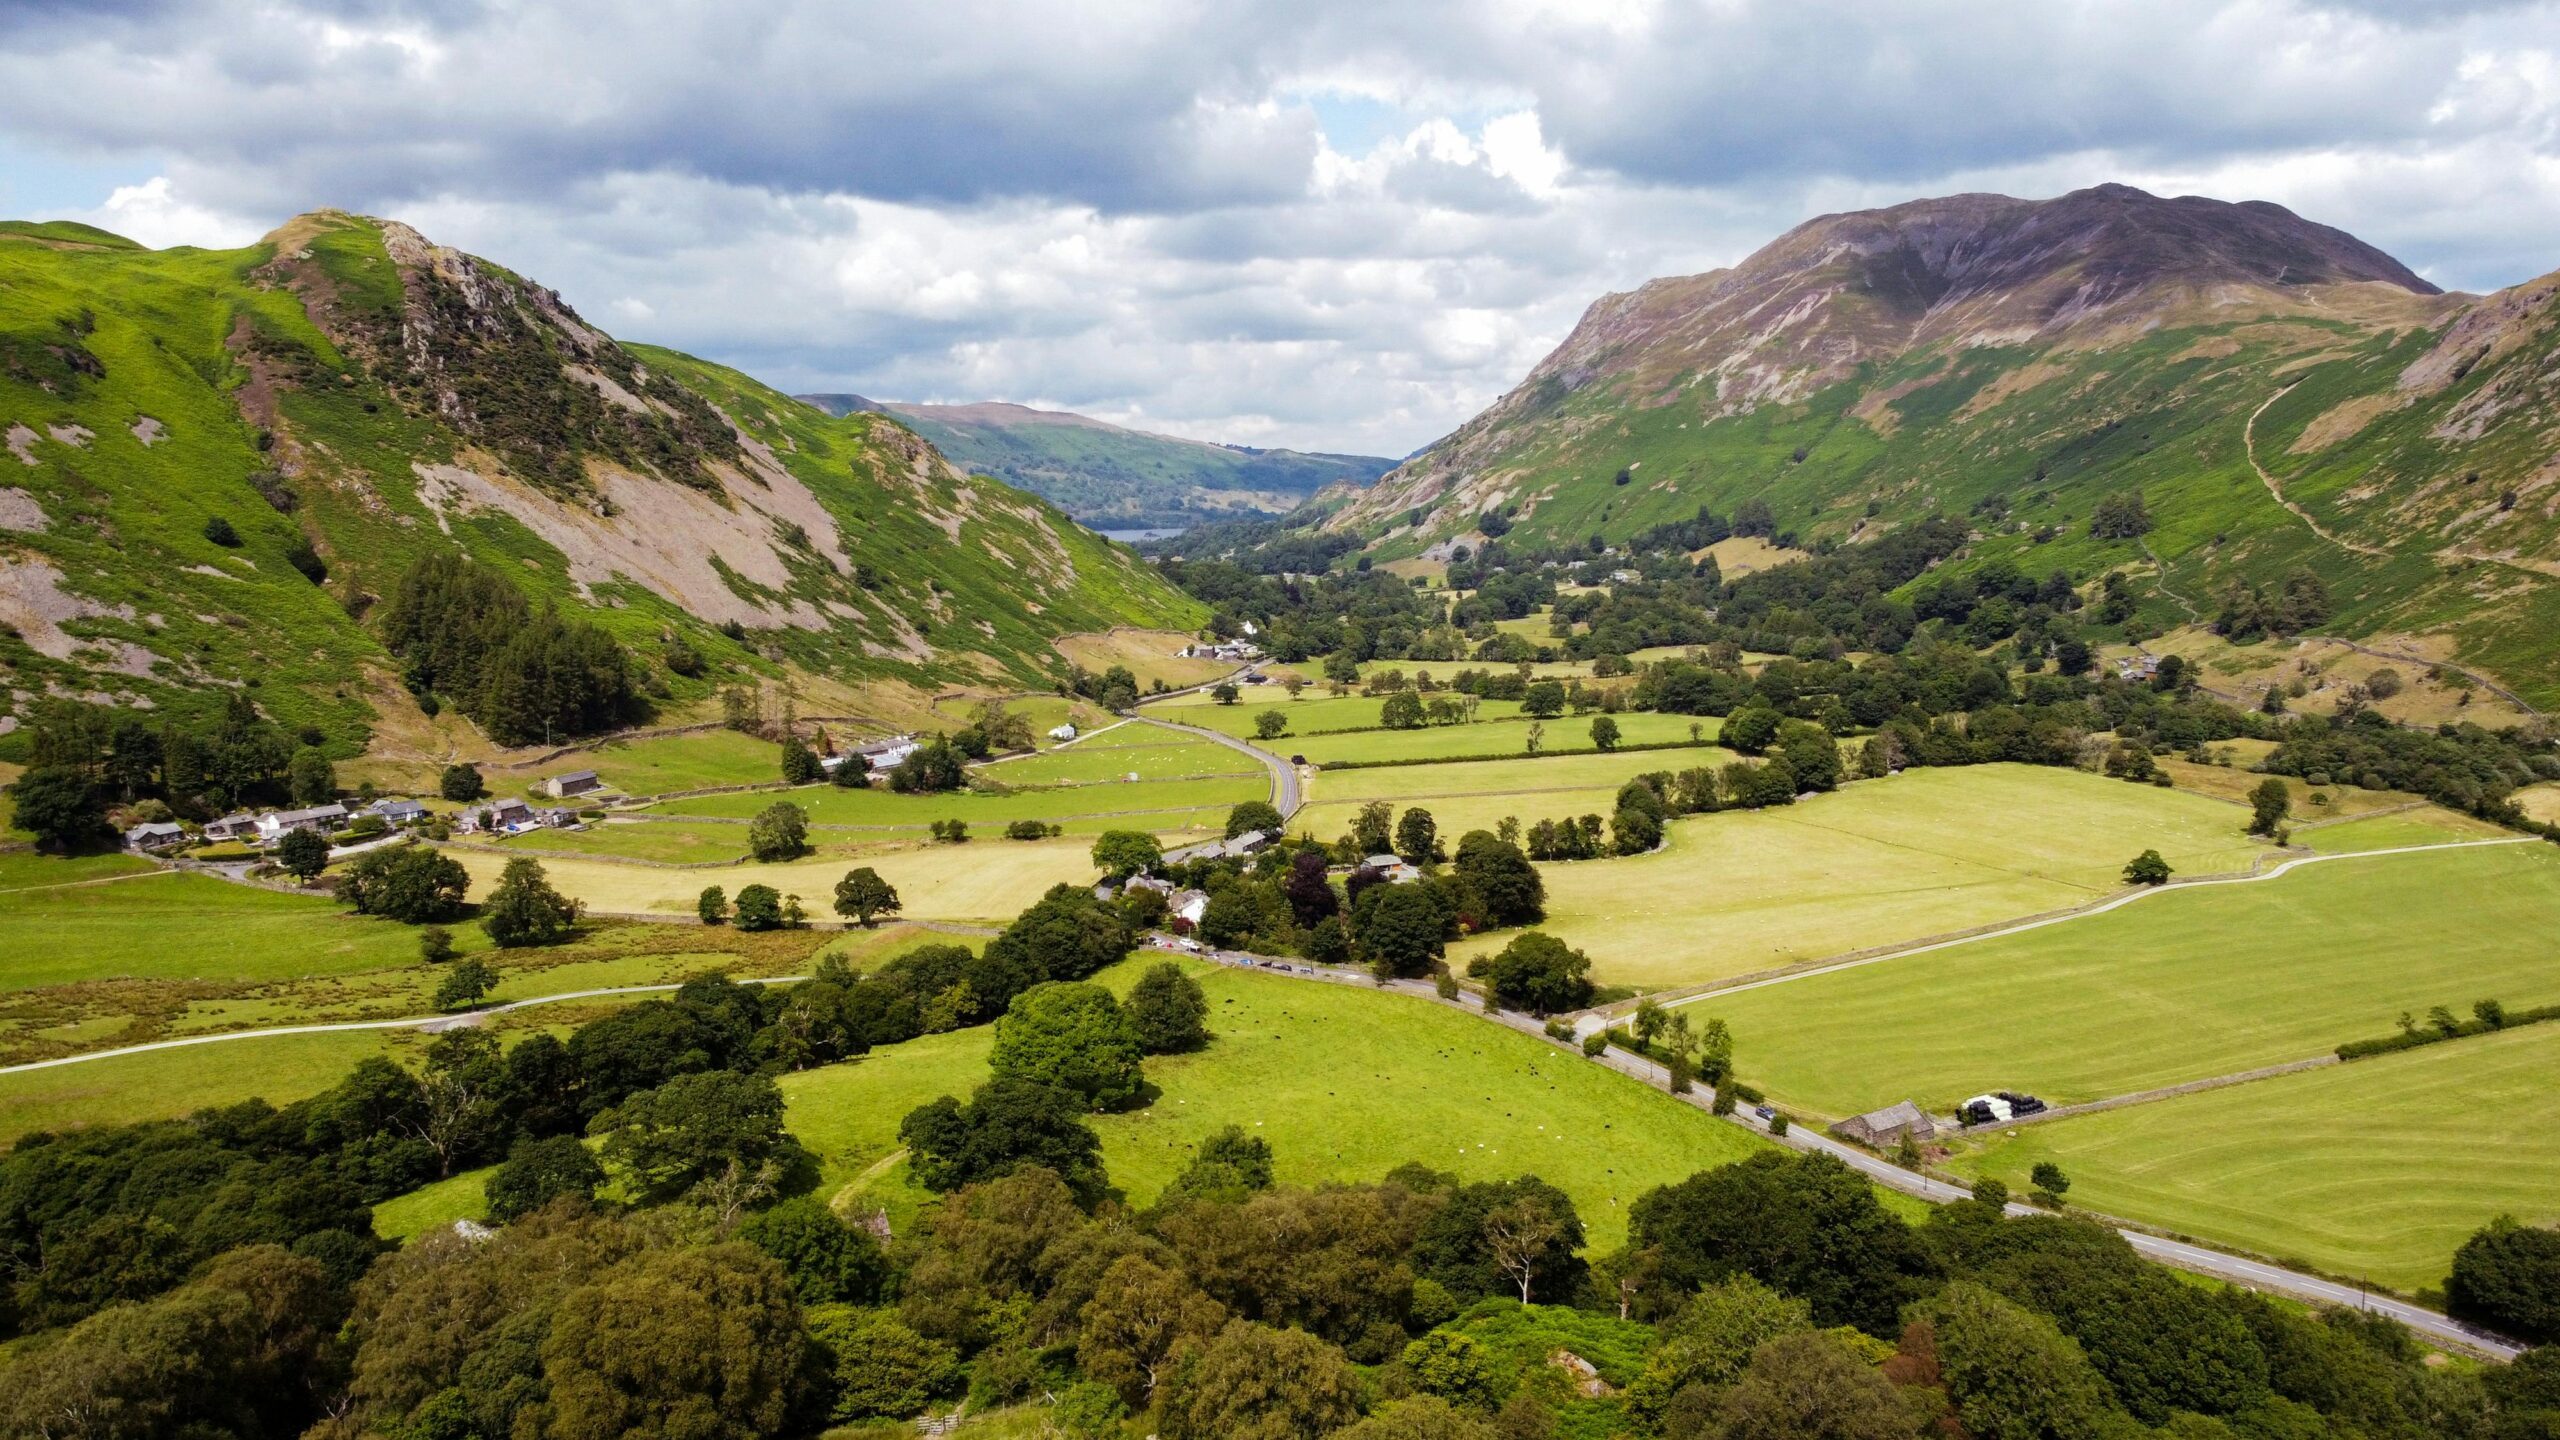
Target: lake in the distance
(1132, 537)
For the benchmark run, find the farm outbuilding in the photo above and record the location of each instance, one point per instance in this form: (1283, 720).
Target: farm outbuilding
(1881, 1128)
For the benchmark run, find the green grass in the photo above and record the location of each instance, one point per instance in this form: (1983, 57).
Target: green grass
(1922, 853)
(2175, 987)
(1346, 1083)
(2430, 826)
(1311, 714)
(675, 842)
(2380, 1168)
(1175, 756)
(881, 807)
(168, 1083)
(27, 870)
(431, 1207)
(1496, 737)
(1526, 777)
(665, 763)
(187, 927)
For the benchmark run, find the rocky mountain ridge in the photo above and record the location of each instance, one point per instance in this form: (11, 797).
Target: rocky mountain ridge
(218, 461)
(2282, 394)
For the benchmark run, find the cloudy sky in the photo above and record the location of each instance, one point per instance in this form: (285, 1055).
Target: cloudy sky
(1329, 225)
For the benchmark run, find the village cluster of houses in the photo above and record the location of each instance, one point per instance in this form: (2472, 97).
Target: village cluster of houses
(267, 827)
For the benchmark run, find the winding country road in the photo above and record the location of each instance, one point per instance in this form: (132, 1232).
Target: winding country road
(1284, 776)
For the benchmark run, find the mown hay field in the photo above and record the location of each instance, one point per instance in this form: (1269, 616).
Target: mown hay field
(2181, 985)
(1923, 853)
(2380, 1168)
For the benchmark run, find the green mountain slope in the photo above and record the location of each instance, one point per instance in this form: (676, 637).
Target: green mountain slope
(1108, 476)
(2021, 361)
(346, 397)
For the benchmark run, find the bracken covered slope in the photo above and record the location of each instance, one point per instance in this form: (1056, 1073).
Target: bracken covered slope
(347, 396)
(2021, 360)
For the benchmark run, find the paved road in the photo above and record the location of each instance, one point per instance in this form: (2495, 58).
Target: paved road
(2178, 1254)
(1284, 776)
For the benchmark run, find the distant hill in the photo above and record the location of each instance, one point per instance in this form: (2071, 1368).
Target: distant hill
(214, 465)
(2018, 361)
(1108, 476)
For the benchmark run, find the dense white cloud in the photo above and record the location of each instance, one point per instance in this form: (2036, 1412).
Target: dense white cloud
(1328, 223)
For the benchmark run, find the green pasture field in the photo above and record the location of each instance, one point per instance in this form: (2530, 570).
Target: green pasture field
(988, 879)
(2174, 987)
(1495, 737)
(180, 927)
(662, 764)
(1458, 814)
(2430, 825)
(27, 870)
(1174, 756)
(1528, 777)
(1313, 713)
(1346, 1083)
(301, 959)
(163, 1084)
(1926, 852)
(2379, 1168)
(166, 1084)
(1043, 713)
(885, 808)
(1118, 733)
(675, 842)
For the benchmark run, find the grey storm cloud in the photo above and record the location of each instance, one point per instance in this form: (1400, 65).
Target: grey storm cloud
(1154, 209)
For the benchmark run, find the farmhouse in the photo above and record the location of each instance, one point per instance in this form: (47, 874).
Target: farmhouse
(1188, 906)
(323, 818)
(398, 811)
(1064, 732)
(1880, 1128)
(500, 817)
(239, 825)
(576, 782)
(155, 835)
(879, 754)
(1391, 868)
(1234, 652)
